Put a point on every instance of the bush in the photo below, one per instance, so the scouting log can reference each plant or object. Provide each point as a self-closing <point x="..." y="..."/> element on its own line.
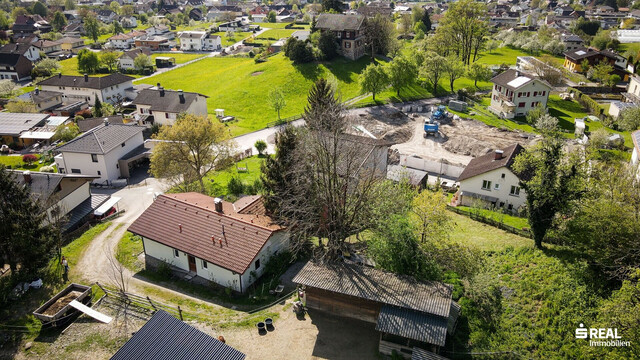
<point x="235" y="186"/>
<point x="164" y="270"/>
<point x="47" y="169"/>
<point x="29" y="159"/>
<point x="261" y="146"/>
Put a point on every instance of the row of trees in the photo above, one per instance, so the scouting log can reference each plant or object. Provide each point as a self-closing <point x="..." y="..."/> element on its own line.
<point x="90" y="62"/>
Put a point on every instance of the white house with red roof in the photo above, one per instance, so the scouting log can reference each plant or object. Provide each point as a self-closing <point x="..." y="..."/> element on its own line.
<point x="209" y="238"/>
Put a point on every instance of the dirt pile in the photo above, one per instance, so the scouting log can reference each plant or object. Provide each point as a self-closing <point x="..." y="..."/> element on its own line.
<point x="62" y="302"/>
<point x="388" y="124"/>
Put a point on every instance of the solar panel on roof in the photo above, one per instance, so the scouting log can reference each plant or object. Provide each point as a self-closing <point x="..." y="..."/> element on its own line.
<point x="580" y="52"/>
<point x="519" y="81"/>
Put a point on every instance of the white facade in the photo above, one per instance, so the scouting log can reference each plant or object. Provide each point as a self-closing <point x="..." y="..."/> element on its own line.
<point x="278" y="242"/>
<point x="192" y="40"/>
<point x="510" y="103"/>
<point x="33" y="53"/>
<point x="198" y="107"/>
<point x="105" y="166"/>
<point x="111" y="94"/>
<point x="69" y="202"/>
<point x="125" y="62"/>
<point x="501" y="184"/>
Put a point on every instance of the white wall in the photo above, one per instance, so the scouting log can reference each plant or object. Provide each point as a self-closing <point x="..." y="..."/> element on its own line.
<point x="72" y="200"/>
<point x="126" y="63"/>
<point x="634" y="86"/>
<point x="535" y="86"/>
<point x="89" y="95"/>
<point x="474" y="185"/>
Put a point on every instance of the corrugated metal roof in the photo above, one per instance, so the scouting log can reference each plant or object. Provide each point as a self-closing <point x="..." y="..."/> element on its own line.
<point x="377" y="285"/>
<point x="453" y="317"/>
<point x="419" y="354"/>
<point x="164" y="337"/>
<point x="412" y="324"/>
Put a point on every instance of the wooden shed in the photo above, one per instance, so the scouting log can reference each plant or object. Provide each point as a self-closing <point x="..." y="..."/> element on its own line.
<point x="408" y="314"/>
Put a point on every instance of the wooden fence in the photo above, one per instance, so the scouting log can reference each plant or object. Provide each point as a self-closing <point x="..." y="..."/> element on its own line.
<point x="492" y="222"/>
<point x="140" y="301"/>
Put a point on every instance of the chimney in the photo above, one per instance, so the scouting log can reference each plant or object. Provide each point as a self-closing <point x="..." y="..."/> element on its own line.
<point x="161" y="91"/>
<point x="158" y="86"/>
<point x="180" y="227"/>
<point x="106" y="121"/>
<point x="498" y="155"/>
<point x="213" y="239"/>
<point x="37" y="91"/>
<point x="86" y="78"/>
<point x="27" y="176"/>
<point x="181" y="96"/>
<point x="59" y="75"/>
<point x="218" y="204"/>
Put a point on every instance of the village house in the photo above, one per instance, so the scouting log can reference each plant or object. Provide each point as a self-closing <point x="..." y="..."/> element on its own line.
<point x="212" y="240"/>
<point x="106" y="16"/>
<point x="64" y="197"/>
<point x="124" y="41"/>
<point x="129" y="22"/>
<point x="27" y="50"/>
<point x="573" y="61"/>
<point x="71" y="44"/>
<point x="154" y="42"/>
<point x="51" y="48"/>
<point x="348" y="30"/>
<point x="104" y="152"/>
<point x="514" y="93"/>
<point x="126" y="60"/>
<point x="112" y="88"/>
<point x="235" y="25"/>
<point x="13" y="125"/>
<point x="199" y="41"/>
<point x="632" y="94"/>
<point x="161" y="30"/>
<point x="411" y="316"/>
<point x="88" y="124"/>
<point x="43" y="100"/>
<point x="166" y="105"/>
<point x="489" y="180"/>
<point x="28" y="24"/>
<point x="572" y="42"/>
<point x="15" y="67"/>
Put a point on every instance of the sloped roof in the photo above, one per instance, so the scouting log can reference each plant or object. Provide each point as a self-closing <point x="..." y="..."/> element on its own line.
<point x="102" y="139"/>
<point x="429" y="297"/>
<point x="420" y="354"/>
<point x="486" y="163"/>
<point x="339" y="22"/>
<point x="242" y="235"/>
<point x="40" y="96"/>
<point x="132" y="54"/>
<point x="15" y="123"/>
<point x="92" y="82"/>
<point x="90" y="123"/>
<point x="8" y="59"/>
<point x="169" y="102"/>
<point x="16" y="48"/>
<point x="514" y="79"/>
<point x="412" y="324"/>
<point x="164" y="337"/>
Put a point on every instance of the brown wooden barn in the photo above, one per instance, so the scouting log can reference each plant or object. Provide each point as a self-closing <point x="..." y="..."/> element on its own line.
<point x="408" y="314"/>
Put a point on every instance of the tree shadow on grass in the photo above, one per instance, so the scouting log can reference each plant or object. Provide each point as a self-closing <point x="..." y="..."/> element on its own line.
<point x="343" y="68"/>
<point x="310" y="71"/>
<point x="562" y="121"/>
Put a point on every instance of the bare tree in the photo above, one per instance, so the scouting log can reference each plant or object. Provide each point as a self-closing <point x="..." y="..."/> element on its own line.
<point x="118" y="274"/>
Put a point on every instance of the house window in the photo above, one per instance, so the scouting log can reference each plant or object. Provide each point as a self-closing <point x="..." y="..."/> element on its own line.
<point x="204" y="264"/>
<point x="347" y="44"/>
<point x="99" y="172"/>
<point x="503" y="175"/>
<point x="528" y="94"/>
<point x="257" y="264"/>
<point x="176" y="253"/>
<point x="94" y="158"/>
<point x="486" y="185"/>
<point x="535" y="93"/>
<point x="496" y="186"/>
<point x="515" y="190"/>
<point x="544" y="93"/>
<point x="76" y="171"/>
<point x="521" y="105"/>
<point x="122" y="144"/>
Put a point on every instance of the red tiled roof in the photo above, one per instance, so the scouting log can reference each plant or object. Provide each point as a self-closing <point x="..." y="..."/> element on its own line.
<point x="486" y="163"/>
<point x="243" y="238"/>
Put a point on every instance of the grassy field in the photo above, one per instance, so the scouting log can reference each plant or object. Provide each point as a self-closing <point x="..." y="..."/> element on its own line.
<point x="267" y="25"/>
<point x="216" y="182"/>
<point x="129" y="247"/>
<point x="237" y="36"/>
<point x="15" y="162"/>
<point x="507" y="219"/>
<point x="487" y="117"/>
<point x="276" y="34"/>
<point x="70" y="66"/>
<point x="484" y="237"/>
<point x="181" y="58"/>
<point x="240" y="86"/>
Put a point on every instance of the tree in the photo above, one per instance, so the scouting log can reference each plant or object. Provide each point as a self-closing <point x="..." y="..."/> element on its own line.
<point x="59" y="21"/>
<point x="492" y="45"/>
<point x="69" y="4"/>
<point x="88" y="61"/>
<point x="117" y="28"/>
<point x="463" y="28"/>
<point x="7" y="88"/>
<point x="417" y="13"/>
<point x="323" y="111"/>
<point x="46" y="67"/>
<point x="551" y="181"/>
<point x="332" y="6"/>
<point x="276" y="100"/>
<point x="110" y="59"/>
<point x="454" y="69"/>
<point x="261" y="146"/>
<point x="97" y="108"/>
<point x="91" y="27"/>
<point x="478" y="72"/>
<point x="620" y="311"/>
<point x="545" y="70"/>
<point x="142" y="61"/>
<point x="433" y="68"/>
<point x="586" y="26"/>
<point x="406" y="25"/>
<point x="271" y="16"/>
<point x="67" y="132"/>
<point x="327" y="45"/>
<point x="129" y="10"/>
<point x="298" y="51"/>
<point x="27" y="239"/>
<point x="39" y="9"/>
<point x="373" y="79"/>
<point x="402" y="73"/>
<point x="29" y="159"/>
<point x="276" y="171"/>
<point x="419" y="27"/>
<point x="378" y="34"/>
<point x="629" y="119"/>
<point x="21" y="106"/>
<point x="430" y="217"/>
<point x="602" y="71"/>
<point x="115" y="7"/>
<point x="190" y="149"/>
<point x="546" y="123"/>
<point x="4" y="21"/>
<point x="426" y="20"/>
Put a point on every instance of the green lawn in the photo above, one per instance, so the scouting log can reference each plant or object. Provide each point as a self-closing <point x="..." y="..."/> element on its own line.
<point x="15" y="162"/>
<point x="504" y="55"/>
<point x="240" y="86"/>
<point x="276" y="34"/>
<point x="217" y="181"/>
<point x="237" y="36"/>
<point x="181" y="58"/>
<point x="129" y="247"/>
<point x="487" y="117"/>
<point x="507" y="219"/>
<point x="70" y="67"/>
<point x="484" y="237"/>
<point x="266" y="25"/>
<point x="74" y="250"/>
